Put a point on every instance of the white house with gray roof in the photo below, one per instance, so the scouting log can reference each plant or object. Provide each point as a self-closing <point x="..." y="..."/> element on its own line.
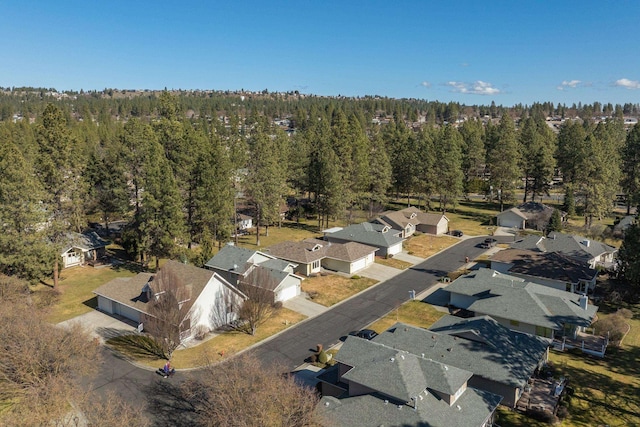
<point x="239" y="265"/>
<point x="521" y="305"/>
<point x="386" y="239"/>
<point x="80" y="248"/>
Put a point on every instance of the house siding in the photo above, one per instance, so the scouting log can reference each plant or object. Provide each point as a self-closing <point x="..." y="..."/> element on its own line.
<point x="290" y="288"/>
<point x="510" y="220"/>
<point x="509" y="393"/>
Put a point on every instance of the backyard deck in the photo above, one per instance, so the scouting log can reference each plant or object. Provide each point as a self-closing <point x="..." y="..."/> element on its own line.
<point x="542" y="394"/>
<point x="590" y="344"/>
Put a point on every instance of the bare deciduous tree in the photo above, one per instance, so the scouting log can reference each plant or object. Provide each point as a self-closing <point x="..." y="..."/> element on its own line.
<point x="259" y="306"/>
<point x="40" y="363"/>
<point x="168" y="314"/>
<point x="250" y="394"/>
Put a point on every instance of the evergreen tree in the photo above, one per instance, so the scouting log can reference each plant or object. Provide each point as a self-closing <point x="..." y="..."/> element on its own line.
<point x="503" y="161"/>
<point x="448" y="166"/>
<point x="631" y="168"/>
<point x="473" y="155"/>
<point x="629" y="258"/>
<point x="538" y="161"/>
<point x="555" y="222"/>
<point x="379" y="173"/>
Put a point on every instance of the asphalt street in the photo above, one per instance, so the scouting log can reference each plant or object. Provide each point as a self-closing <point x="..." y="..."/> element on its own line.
<point x="290" y="348"/>
<point x="141" y="387"/>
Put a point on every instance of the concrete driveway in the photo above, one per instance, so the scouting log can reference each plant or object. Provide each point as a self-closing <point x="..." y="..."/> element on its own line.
<point x="100" y="325"/>
<point x="379" y="272"/>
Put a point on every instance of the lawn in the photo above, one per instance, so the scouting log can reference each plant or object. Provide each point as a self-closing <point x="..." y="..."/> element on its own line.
<point x="393" y="263"/>
<point x="75" y="290"/>
<point x="607" y="391"/>
<point x="425" y="245"/>
<point x="331" y="289"/>
<point x="415" y="313"/>
<point x="290" y="230"/>
<point x="213" y="350"/>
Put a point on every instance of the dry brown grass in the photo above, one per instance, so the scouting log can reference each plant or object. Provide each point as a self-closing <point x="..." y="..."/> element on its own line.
<point x="415" y="313"/>
<point x="331" y="289"/>
<point x="393" y="263"/>
<point x="221" y="346"/>
<point x="426" y="245"/>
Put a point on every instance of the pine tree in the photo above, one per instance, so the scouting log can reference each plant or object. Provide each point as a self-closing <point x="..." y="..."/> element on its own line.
<point x="503" y="161"/>
<point x="631" y="168"/>
<point x="474" y="155"/>
<point x="448" y="166"/>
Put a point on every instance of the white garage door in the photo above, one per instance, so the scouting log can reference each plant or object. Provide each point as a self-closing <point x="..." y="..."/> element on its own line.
<point x="358" y="265"/>
<point x="288" y="293"/>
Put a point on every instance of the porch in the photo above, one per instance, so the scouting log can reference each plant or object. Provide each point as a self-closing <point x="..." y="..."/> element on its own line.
<point x="594" y="345"/>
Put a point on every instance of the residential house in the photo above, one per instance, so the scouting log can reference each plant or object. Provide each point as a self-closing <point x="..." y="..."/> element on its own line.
<point x="80" y="248"/>
<point x="521" y="305"/>
<point x="512" y="218"/>
<point x="546" y="268"/>
<point x="538" y="215"/>
<point x="312" y="254"/>
<point x="581" y="249"/>
<point x="243" y="222"/>
<point x="387" y="240"/>
<point x="393" y="387"/>
<point x="411" y="219"/>
<point x="240" y="266"/>
<point x="205" y="292"/>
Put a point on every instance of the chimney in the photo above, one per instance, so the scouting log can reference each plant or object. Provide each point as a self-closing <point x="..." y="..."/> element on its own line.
<point x="584" y="302"/>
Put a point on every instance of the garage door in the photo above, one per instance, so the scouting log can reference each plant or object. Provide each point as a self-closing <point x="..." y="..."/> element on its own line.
<point x="358" y="265"/>
<point x="288" y="293"/>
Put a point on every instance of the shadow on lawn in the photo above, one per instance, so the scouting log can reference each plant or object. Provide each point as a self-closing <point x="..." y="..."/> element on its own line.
<point x="134" y="345"/>
<point x="605" y="397"/>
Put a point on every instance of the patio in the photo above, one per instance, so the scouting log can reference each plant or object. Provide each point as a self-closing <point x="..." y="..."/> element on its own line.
<point x="542" y="394"/>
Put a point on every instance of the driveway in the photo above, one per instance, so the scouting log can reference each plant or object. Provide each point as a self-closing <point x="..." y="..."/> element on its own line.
<point x="101" y="325"/>
<point x="379" y="272"/>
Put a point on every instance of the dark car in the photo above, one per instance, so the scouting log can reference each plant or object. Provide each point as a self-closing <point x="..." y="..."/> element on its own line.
<point x="457" y="233"/>
<point x="489" y="243"/>
<point x="367" y="334"/>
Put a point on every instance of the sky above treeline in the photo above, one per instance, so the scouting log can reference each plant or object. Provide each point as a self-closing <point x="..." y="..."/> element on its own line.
<point x="466" y="51"/>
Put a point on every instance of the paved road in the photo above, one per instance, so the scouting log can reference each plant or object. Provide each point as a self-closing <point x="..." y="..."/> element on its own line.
<point x="142" y="387"/>
<point x="294" y="345"/>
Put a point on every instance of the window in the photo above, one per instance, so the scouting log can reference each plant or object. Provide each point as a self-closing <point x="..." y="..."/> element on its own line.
<point x="541" y="331"/>
<point x="514" y="323"/>
<point x="316" y="264"/>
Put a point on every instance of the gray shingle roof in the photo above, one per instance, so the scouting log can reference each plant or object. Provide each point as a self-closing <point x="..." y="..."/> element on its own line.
<point x="515" y="211"/>
<point x="573" y="246"/>
<point x="396" y="373"/>
<point x="479" y="345"/>
<point x="231" y="258"/>
<point x="85" y="241"/>
<point x="475" y="407"/>
<point x="368" y="234"/>
<point x="512" y="298"/>
<point x="549" y="265"/>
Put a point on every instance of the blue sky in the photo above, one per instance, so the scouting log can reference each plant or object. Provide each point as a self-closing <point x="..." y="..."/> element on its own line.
<point x="471" y="52"/>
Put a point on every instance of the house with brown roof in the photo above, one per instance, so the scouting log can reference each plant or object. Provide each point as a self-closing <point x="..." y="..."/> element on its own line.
<point x="80" y="248"/>
<point x="412" y="219"/>
<point x="312" y="254"/>
<point x="205" y="293"/>
<point x="551" y="269"/>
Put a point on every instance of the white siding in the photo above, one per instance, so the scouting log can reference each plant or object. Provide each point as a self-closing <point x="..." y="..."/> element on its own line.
<point x="211" y="307"/>
<point x="511" y="220"/>
<point x="289" y="288"/>
<point x="442" y="227"/>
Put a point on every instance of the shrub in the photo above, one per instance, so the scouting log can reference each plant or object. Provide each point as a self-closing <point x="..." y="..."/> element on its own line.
<point x="277" y="305"/>
<point x="562" y="412"/>
<point x="615" y="325"/>
<point x="355" y="277"/>
<point x="542" y="415"/>
<point x="625" y="312"/>
<point x="323" y="357"/>
<point x="200" y="332"/>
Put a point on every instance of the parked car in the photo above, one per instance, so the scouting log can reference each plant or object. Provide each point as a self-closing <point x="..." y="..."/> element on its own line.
<point x="489" y="243"/>
<point x="367" y="334"/>
<point x="457" y="233"/>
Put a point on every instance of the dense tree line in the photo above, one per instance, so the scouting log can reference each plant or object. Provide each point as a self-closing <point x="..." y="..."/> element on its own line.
<point x="171" y="164"/>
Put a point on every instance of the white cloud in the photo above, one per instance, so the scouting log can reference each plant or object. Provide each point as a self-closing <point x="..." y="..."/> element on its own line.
<point x="425" y="84"/>
<point x="569" y="84"/>
<point x="629" y="84"/>
<point x="477" y="88"/>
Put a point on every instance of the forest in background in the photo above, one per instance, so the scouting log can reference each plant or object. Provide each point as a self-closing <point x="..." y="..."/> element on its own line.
<point x="171" y="163"/>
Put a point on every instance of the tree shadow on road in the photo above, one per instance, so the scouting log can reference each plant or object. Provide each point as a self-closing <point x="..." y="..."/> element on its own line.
<point x="169" y="406"/>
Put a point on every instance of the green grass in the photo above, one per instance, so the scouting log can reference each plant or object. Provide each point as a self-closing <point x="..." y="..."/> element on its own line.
<point x="75" y="290"/>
